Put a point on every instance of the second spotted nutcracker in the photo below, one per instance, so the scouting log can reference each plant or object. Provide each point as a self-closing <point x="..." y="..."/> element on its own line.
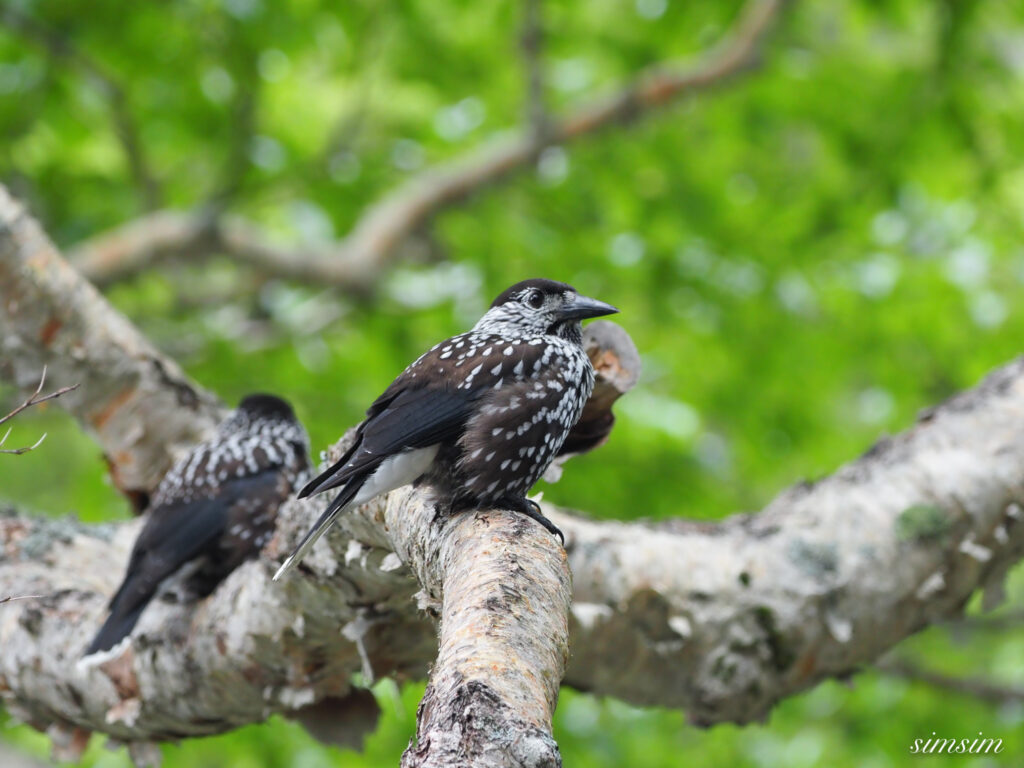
<point x="479" y="416"/>
<point x="213" y="510"/>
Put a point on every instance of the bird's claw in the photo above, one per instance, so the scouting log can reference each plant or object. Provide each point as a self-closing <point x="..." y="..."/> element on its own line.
<point x="531" y="509"/>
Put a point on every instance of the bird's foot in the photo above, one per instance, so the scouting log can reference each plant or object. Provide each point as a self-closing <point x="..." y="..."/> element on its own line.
<point x="441" y="510"/>
<point x="452" y="507"/>
<point x="531" y="509"/>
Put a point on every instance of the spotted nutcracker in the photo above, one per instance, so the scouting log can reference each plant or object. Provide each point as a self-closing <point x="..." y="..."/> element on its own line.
<point x="215" y="508"/>
<point x="478" y="417"/>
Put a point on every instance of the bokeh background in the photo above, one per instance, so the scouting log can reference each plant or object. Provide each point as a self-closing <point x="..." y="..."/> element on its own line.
<point x="806" y="256"/>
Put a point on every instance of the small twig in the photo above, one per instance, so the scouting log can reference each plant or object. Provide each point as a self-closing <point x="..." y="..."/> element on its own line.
<point x="35" y="399"/>
<point x="24" y="449"/>
<point x="244" y="110"/>
<point x="350" y="123"/>
<point x="12" y="598"/>
<point x="1009" y="620"/>
<point x="980" y="688"/>
<point x="532" y="43"/>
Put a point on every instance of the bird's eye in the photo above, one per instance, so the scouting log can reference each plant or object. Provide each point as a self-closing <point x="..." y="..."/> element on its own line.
<point x="535" y="299"/>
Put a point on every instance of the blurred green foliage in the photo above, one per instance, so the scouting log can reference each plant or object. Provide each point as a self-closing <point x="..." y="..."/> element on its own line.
<point x="806" y="257"/>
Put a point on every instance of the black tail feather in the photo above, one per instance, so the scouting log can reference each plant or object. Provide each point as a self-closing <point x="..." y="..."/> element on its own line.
<point x="338" y="503"/>
<point x="329" y="478"/>
<point x="117" y="627"/>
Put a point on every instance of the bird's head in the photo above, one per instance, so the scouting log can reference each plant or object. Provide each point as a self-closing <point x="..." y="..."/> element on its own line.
<point x="259" y="405"/>
<point x="541" y="307"/>
<point x="258" y="411"/>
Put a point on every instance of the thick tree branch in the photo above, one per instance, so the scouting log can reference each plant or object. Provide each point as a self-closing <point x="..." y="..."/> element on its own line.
<point x="721" y="619"/>
<point x="139" y="405"/>
<point x="501" y="586"/>
<point x="355" y="262"/>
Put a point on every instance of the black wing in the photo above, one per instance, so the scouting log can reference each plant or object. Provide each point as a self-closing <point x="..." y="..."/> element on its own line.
<point x="427" y="404"/>
<point x="410" y="414"/>
<point x="182" y="531"/>
<point x="401" y="418"/>
<point x="172" y="536"/>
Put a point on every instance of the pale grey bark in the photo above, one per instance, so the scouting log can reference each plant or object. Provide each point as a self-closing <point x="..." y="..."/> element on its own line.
<point x="720" y="619"/>
<point x="500" y="585"/>
<point x="137" y="402"/>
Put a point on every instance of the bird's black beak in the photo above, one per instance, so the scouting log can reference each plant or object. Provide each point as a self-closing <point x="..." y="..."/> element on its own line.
<point x="582" y="307"/>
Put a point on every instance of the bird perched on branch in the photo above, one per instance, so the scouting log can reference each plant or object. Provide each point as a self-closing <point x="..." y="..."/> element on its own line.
<point x="214" y="509"/>
<point x="480" y="416"/>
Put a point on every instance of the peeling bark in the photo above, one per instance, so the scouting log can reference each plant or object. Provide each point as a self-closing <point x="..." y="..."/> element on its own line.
<point x="191" y="670"/>
<point x="721" y="619"/>
<point x="503" y="586"/>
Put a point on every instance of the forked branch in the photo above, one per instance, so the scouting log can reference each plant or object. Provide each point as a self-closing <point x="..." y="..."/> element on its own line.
<point x="356" y="262"/>
<point x="36" y="398"/>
